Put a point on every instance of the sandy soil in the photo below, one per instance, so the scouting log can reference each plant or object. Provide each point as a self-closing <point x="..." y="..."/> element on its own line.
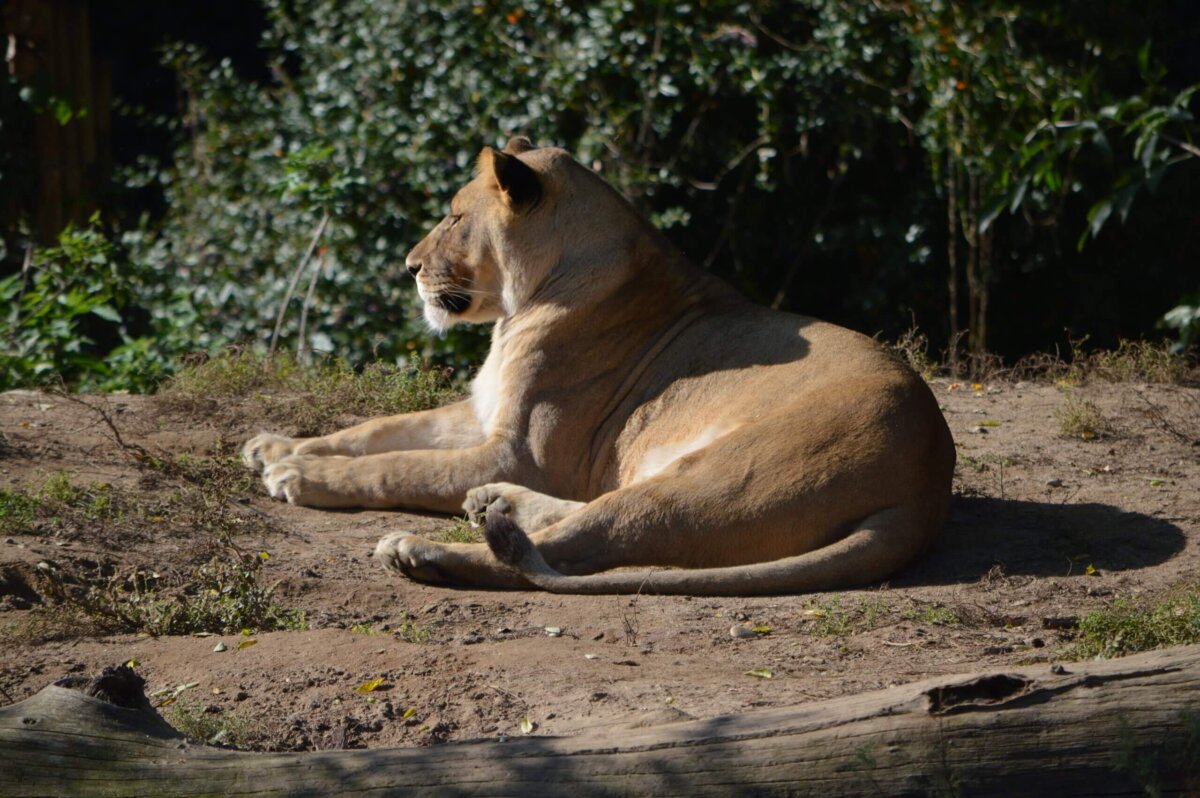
<point x="1042" y="528"/>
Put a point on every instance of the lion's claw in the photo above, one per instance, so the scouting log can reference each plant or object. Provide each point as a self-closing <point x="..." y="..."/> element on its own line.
<point x="266" y="448"/>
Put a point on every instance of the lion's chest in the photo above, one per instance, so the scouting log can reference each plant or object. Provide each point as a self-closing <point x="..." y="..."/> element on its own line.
<point x="486" y="391"/>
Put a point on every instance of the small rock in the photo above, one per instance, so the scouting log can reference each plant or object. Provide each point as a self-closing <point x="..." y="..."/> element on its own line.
<point x="1035" y="642"/>
<point x="978" y="430"/>
<point x="739" y="632"/>
<point x="241" y="695"/>
<point x="1058" y="670"/>
<point x="598" y="636"/>
<point x="1060" y="622"/>
<point x="554" y="631"/>
<point x="504" y="630"/>
<point x="1054" y="483"/>
<point x="220" y="647"/>
<point x="591" y="656"/>
<point x="10" y="541"/>
<point x="630" y="662"/>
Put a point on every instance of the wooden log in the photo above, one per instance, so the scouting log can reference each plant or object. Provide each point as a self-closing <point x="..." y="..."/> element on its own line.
<point x="1120" y="727"/>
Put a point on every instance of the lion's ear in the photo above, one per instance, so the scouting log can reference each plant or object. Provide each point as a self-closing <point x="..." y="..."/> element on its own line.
<point x="517" y="182"/>
<point x="518" y="144"/>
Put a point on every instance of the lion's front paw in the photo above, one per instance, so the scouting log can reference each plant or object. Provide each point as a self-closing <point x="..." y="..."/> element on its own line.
<point x="283" y="480"/>
<point x="266" y="448"/>
<point x="410" y="555"/>
<point x="308" y="480"/>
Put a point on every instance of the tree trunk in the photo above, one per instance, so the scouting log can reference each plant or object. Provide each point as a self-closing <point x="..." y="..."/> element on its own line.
<point x="1119" y="727"/>
<point x="952" y="257"/>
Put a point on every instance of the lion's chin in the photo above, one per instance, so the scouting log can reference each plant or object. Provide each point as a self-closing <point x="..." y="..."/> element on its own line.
<point x="439" y="320"/>
<point x="444" y="309"/>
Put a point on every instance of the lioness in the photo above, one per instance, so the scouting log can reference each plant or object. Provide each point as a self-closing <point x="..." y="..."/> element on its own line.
<point x="633" y="411"/>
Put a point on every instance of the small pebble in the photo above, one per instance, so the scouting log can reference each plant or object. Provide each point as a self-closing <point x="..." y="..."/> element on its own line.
<point x="220" y="647"/>
<point x="737" y="631"/>
<point x="978" y="430"/>
<point x="1055" y="483"/>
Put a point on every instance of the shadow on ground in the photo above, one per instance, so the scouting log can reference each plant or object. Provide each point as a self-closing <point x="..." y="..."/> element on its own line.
<point x="1041" y="539"/>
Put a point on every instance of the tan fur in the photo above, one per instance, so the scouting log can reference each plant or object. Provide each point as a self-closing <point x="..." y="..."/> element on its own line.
<point x="634" y="411"/>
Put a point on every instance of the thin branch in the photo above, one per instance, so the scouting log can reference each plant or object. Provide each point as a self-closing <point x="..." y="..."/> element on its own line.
<point x="137" y="452"/>
<point x="1186" y="146"/>
<point x="794" y="268"/>
<point x="312" y="246"/>
<point x="729" y="167"/>
<point x="302" y="346"/>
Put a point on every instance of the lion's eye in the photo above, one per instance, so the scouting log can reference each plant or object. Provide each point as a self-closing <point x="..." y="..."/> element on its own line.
<point x="454" y="218"/>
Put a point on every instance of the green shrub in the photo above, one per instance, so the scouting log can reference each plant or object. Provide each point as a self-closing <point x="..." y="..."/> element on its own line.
<point x="1133" y="625"/>
<point x="68" y="319"/>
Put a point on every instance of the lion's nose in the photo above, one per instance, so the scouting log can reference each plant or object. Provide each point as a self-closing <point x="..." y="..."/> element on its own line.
<point x="413" y="266"/>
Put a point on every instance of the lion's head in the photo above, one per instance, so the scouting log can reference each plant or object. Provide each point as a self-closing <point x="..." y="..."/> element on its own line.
<point x="458" y="265"/>
<point x="524" y="216"/>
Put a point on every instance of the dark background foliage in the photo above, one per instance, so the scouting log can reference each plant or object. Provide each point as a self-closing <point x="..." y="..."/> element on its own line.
<point x="850" y="160"/>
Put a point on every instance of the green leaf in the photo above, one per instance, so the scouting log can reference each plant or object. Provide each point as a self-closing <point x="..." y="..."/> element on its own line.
<point x="1098" y="215"/>
<point x="1124" y="200"/>
<point x="108" y="313"/>
<point x="1149" y="151"/>
<point x="761" y="673"/>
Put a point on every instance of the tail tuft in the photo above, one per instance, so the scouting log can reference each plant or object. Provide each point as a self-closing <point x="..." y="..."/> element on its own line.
<point x="507" y="541"/>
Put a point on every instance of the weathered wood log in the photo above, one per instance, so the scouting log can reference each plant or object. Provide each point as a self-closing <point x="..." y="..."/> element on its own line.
<point x="1120" y="727"/>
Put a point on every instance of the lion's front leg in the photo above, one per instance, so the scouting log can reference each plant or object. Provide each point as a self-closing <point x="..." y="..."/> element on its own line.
<point x="445" y="563"/>
<point x="454" y="426"/>
<point x="426" y="479"/>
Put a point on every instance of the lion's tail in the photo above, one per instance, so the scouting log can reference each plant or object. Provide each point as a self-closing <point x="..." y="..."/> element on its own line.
<point x="867" y="554"/>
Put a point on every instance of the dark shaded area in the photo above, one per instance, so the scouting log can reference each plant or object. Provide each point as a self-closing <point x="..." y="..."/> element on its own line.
<point x="1041" y="539"/>
<point x="132" y="35"/>
<point x="982" y="693"/>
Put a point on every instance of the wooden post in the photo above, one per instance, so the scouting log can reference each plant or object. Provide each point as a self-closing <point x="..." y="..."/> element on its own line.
<point x="53" y="49"/>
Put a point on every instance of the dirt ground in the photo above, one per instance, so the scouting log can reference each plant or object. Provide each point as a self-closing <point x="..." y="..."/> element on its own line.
<point x="1043" y="528"/>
